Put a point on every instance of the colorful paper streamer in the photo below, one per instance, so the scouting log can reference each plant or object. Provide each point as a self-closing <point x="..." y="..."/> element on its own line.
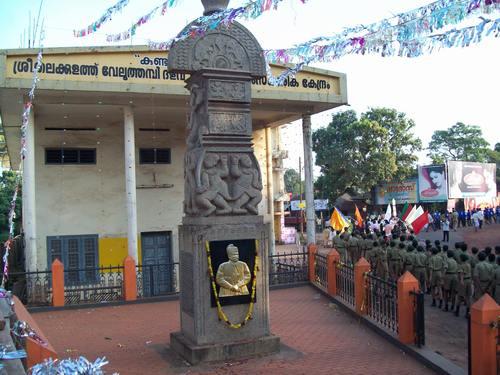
<point x="94" y="26"/>
<point x="141" y="21"/>
<point x="79" y="366"/>
<point x="24" y="128"/>
<point x="22" y="329"/>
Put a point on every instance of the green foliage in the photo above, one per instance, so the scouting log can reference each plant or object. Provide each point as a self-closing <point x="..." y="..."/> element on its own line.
<point x="292" y="182"/>
<point x="7" y="187"/>
<point x="356" y="154"/>
<point x="460" y="142"/>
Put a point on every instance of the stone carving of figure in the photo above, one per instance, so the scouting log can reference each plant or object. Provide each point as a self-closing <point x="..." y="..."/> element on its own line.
<point x="246" y="189"/>
<point x="233" y="276"/>
<point x="212" y="192"/>
<point x="189" y="185"/>
<point x="195" y="124"/>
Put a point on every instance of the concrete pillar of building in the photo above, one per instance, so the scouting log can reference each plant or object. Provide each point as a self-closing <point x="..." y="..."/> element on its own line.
<point x="270" y="190"/>
<point x="308" y="174"/>
<point x="28" y="196"/>
<point x="130" y="184"/>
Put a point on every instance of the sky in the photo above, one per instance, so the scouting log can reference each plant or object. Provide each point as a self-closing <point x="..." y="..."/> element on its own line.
<point x="436" y="90"/>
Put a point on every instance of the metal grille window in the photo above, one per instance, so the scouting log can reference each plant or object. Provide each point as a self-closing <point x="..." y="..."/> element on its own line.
<point x="154" y="156"/>
<point x="79" y="255"/>
<point x="70" y="156"/>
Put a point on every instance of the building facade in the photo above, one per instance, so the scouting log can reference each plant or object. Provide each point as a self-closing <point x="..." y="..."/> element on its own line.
<point x="103" y="173"/>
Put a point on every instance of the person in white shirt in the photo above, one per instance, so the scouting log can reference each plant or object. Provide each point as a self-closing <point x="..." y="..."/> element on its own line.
<point x="445" y="225"/>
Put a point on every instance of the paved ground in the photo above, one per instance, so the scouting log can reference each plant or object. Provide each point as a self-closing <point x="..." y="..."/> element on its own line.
<point x="318" y="339"/>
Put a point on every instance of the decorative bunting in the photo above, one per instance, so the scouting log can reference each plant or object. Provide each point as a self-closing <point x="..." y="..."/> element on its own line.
<point x="80" y="366"/>
<point x="251" y="10"/>
<point x="93" y="27"/>
<point x="141" y="21"/>
<point x="13" y="202"/>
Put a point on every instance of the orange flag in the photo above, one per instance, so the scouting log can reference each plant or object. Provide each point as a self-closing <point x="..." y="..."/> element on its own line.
<point x="357" y="216"/>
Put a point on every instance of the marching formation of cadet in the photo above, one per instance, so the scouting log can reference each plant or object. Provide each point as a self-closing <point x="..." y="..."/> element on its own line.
<point x="454" y="277"/>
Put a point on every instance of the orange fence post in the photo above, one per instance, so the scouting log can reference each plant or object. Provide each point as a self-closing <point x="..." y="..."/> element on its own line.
<point x="312" y="248"/>
<point x="36" y="351"/>
<point x="360" y="268"/>
<point x="407" y="283"/>
<point x="129" y="279"/>
<point x="57" y="283"/>
<point x="483" y="331"/>
<point x="332" y="260"/>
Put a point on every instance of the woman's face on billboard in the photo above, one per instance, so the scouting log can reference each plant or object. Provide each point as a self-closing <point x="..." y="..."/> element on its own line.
<point x="437" y="178"/>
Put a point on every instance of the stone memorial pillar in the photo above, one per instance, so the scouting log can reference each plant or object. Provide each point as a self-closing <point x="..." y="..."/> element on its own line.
<point x="224" y="286"/>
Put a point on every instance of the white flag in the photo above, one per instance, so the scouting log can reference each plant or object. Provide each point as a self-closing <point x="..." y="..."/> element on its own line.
<point x="388" y="213"/>
<point x="411" y="218"/>
<point x="412" y="212"/>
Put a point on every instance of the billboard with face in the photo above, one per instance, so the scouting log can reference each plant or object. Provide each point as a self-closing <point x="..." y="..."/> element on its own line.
<point x="468" y="179"/>
<point x="432" y="184"/>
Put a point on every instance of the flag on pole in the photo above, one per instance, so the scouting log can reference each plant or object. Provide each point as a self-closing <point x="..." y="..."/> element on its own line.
<point x="357" y="216"/>
<point x="403" y="211"/>
<point x="412" y="217"/>
<point x="420" y="222"/>
<point x="337" y="220"/>
<point x="410" y="211"/>
<point x="388" y="213"/>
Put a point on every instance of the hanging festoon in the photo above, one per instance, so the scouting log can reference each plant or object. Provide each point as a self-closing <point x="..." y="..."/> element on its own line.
<point x="223" y="292"/>
<point x="13" y="203"/>
<point x="94" y="26"/>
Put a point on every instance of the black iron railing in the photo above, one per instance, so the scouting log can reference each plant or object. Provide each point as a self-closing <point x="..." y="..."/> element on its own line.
<point x="32" y="288"/>
<point x="157" y="279"/>
<point x="345" y="282"/>
<point x="419" y="318"/>
<point x="288" y="268"/>
<point x="321" y="271"/>
<point x="93" y="285"/>
<point x="382" y="301"/>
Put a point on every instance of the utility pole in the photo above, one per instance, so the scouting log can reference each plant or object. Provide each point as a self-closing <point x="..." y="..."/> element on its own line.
<point x="301" y="216"/>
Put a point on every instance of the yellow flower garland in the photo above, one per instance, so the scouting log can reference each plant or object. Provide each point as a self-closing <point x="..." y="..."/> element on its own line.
<point x="220" y="312"/>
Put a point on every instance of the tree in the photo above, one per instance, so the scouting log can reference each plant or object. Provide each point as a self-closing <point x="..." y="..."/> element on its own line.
<point x="460" y="142"/>
<point x="7" y="187"/>
<point x="356" y="154"/>
<point x="292" y="182"/>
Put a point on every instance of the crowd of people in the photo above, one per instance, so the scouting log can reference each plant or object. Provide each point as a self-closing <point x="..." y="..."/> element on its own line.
<point x="454" y="276"/>
<point x="475" y="218"/>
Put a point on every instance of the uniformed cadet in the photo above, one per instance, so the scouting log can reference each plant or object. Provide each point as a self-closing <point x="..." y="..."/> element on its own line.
<point x="436" y="270"/>
<point x="381" y="267"/>
<point x="368" y="246"/>
<point x="419" y="267"/>
<point x="340" y="246"/>
<point x="473" y="259"/>
<point x="353" y="248"/>
<point x="450" y="281"/>
<point x="409" y="259"/>
<point x="464" y="284"/>
<point x="394" y="258"/>
<point x="482" y="276"/>
<point x="372" y="255"/>
<point x="497" y="281"/>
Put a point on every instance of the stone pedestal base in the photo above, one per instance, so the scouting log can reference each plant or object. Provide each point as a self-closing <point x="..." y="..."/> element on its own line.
<point x="196" y="354"/>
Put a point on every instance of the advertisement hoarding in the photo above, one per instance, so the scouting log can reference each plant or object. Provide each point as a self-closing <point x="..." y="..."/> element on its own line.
<point x="402" y="192"/>
<point x="468" y="179"/>
<point x="432" y="183"/>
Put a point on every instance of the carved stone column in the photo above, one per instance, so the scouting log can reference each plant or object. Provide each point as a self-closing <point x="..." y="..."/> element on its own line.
<point x="223" y="315"/>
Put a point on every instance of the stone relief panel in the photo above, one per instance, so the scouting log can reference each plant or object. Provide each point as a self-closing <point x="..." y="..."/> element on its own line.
<point x="222" y="184"/>
<point x="229" y="123"/>
<point x="182" y="58"/>
<point x="220" y="51"/>
<point x="228" y="90"/>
